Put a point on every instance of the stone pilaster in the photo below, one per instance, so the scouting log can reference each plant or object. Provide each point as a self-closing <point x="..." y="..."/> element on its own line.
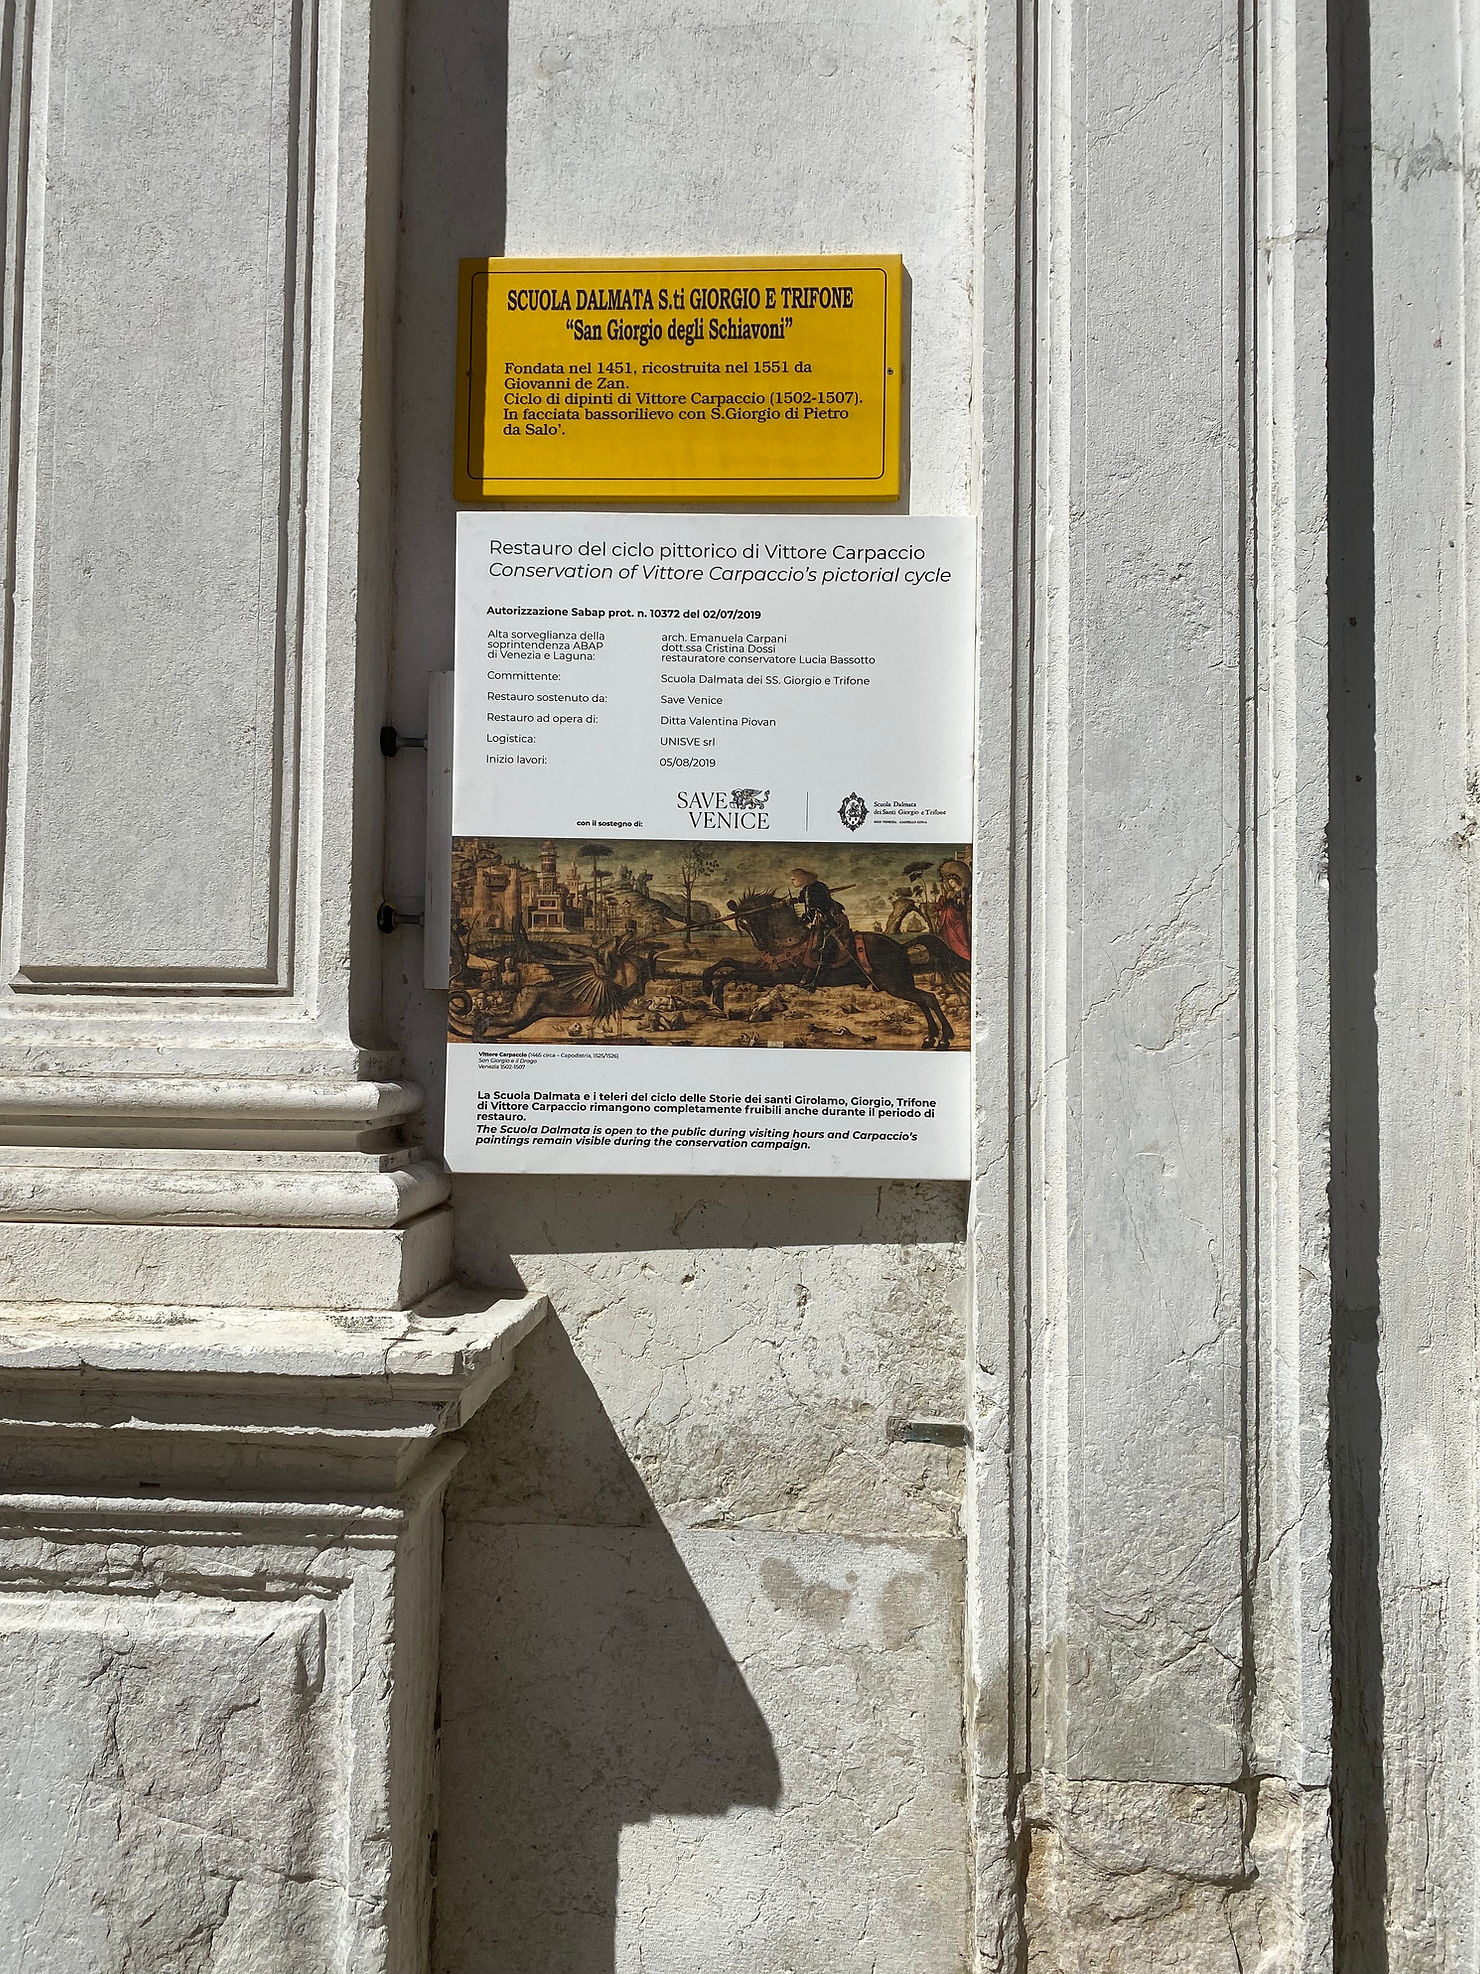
<point x="229" y="1357"/>
<point x="1151" y="1635"/>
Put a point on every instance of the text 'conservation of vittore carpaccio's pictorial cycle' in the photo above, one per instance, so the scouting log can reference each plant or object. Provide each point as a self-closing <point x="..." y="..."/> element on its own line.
<point x="711" y="827"/>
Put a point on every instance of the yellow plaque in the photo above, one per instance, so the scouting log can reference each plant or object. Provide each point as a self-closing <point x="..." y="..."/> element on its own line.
<point x="679" y="379"/>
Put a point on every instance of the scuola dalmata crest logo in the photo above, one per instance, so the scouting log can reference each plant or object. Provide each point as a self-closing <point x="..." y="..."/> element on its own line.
<point x="853" y="812"/>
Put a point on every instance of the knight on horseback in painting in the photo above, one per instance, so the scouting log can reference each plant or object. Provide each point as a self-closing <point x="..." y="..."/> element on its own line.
<point x="831" y="941"/>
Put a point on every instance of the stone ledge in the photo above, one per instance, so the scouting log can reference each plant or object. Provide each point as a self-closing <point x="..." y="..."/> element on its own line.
<point x="244" y="1402"/>
<point x="34" y="1525"/>
<point x="127" y="1110"/>
<point x="448" y="1340"/>
<point x="219" y="1188"/>
<point x="225" y="1267"/>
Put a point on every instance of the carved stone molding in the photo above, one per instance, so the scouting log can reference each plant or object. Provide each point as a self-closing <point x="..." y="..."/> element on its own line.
<point x="220" y="1579"/>
<point x="196" y="507"/>
<point x="220" y="1188"/>
<point x="135" y="1108"/>
<point x="1153" y="1292"/>
<point x="195" y="654"/>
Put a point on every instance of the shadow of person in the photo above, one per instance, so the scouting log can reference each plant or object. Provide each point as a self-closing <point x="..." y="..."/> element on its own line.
<point x="585" y="1687"/>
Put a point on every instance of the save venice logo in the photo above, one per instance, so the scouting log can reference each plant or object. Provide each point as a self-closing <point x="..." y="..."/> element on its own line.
<point x="853" y="812"/>
<point x="718" y="809"/>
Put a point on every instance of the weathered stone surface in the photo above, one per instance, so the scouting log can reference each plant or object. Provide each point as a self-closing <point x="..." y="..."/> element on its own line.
<point x="267" y="1267"/>
<point x="749" y="1379"/>
<point x="765" y="1679"/>
<point x="220" y="1581"/>
<point x="1148" y="1878"/>
<point x="705" y="1675"/>
<point x="181" y="1188"/>
<point x="204" y="1768"/>
<point x="1409" y="1824"/>
<point x="447" y="1344"/>
<point x="741" y="1751"/>
<point x="170" y="1773"/>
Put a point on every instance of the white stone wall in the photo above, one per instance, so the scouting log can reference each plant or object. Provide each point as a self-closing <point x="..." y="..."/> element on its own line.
<point x="1173" y="1666"/>
<point x="1113" y="220"/>
<point x="716" y="1612"/>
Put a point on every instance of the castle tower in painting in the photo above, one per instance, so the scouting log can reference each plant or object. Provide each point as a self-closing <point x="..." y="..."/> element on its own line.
<point x="489" y="891"/>
<point x="553" y="907"/>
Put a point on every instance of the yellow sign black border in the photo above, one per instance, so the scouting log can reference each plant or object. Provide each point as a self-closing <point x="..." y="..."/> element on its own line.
<point x="472" y="329"/>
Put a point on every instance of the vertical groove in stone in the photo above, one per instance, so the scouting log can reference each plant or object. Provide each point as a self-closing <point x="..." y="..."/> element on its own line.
<point x="1359" y="1820"/>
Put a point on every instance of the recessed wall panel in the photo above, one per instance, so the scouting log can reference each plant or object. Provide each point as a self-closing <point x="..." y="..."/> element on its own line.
<point x="154" y="613"/>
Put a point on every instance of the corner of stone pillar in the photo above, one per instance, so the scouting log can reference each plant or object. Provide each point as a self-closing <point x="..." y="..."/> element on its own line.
<point x="220" y="1583"/>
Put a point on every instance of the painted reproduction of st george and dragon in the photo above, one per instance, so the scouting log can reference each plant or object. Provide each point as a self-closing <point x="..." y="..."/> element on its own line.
<point x="711" y="945"/>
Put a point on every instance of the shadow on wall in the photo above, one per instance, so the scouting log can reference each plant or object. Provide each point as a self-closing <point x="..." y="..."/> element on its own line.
<point x="585" y="1686"/>
<point x="615" y="1214"/>
<point x="1359" y="1814"/>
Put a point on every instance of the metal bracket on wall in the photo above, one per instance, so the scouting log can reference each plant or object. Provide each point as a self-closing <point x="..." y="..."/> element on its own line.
<point x="391" y="742"/>
<point x="388" y="918"/>
<point x="927" y="1432"/>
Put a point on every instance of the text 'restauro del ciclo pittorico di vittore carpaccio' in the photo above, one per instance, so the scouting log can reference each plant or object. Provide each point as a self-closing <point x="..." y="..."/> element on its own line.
<point x="711" y="870"/>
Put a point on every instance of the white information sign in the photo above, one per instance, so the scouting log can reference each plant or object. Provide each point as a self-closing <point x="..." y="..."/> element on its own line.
<point x="711" y="864"/>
